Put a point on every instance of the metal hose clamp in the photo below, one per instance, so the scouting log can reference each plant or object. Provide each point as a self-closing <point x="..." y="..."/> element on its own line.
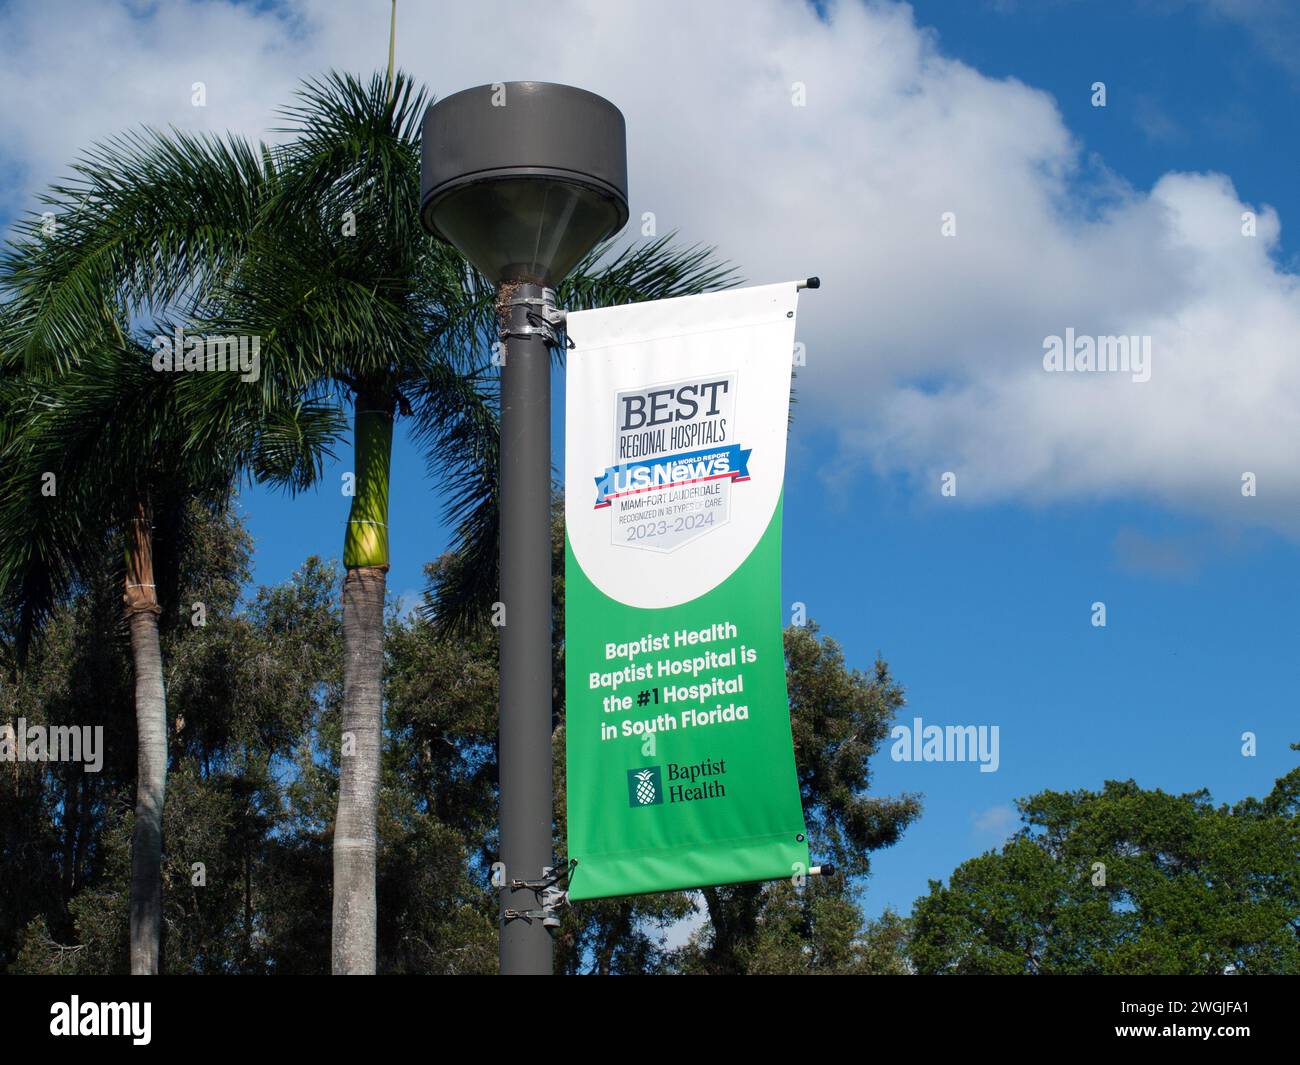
<point x="545" y="320"/>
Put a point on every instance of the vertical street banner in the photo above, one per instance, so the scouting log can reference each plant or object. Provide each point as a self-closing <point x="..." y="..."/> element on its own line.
<point x="680" y="762"/>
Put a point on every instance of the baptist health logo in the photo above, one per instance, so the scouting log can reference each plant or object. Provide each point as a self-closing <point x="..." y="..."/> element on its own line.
<point x="645" y="786"/>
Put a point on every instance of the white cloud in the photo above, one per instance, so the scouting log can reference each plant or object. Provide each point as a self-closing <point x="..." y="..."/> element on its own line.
<point x="924" y="352"/>
<point x="997" y="821"/>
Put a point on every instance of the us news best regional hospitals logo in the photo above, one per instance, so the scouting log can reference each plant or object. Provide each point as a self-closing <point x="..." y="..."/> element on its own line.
<point x="676" y="461"/>
<point x="645" y="786"/>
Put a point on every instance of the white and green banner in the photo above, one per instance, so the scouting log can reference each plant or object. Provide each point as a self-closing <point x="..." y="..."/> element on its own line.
<point x="680" y="764"/>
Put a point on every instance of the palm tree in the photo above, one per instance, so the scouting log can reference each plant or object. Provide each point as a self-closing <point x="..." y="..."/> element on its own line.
<point x="79" y="400"/>
<point x="315" y="247"/>
<point x="93" y="456"/>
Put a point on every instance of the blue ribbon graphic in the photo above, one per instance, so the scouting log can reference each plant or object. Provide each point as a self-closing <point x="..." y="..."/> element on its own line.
<point x="669" y="470"/>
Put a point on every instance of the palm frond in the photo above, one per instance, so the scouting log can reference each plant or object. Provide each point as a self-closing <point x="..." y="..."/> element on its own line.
<point x="146" y="221"/>
<point x="457" y="425"/>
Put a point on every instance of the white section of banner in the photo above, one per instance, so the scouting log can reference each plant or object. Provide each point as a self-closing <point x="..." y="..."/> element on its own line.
<point x="676" y="414"/>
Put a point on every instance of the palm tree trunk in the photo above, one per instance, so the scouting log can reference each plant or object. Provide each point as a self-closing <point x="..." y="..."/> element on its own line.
<point x="365" y="555"/>
<point x="151" y="742"/>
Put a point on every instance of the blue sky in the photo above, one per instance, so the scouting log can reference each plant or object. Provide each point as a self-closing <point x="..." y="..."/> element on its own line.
<point x="1186" y="89"/>
<point x="984" y="615"/>
<point x="981" y="604"/>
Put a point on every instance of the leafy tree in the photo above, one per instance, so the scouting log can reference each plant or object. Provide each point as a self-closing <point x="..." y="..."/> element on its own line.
<point x="1126" y="880"/>
<point x="247" y="690"/>
<point x="817" y="931"/>
<point x="253" y="744"/>
<point x="52" y="815"/>
<point x="98" y="459"/>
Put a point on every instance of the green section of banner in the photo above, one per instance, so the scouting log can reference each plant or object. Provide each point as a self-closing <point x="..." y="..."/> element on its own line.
<point x="670" y="787"/>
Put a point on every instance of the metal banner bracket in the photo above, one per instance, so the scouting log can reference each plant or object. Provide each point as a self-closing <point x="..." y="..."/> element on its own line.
<point x="544" y="319"/>
<point x="550" y="896"/>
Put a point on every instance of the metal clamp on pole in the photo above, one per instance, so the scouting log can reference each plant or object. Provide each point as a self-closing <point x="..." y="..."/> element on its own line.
<point x="545" y="320"/>
<point x="549" y="894"/>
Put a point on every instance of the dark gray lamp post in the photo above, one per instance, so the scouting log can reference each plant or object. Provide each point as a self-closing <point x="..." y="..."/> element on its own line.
<point x="524" y="178"/>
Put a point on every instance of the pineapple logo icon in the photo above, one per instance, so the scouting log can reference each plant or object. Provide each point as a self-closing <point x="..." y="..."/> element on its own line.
<point x="644" y="787"/>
